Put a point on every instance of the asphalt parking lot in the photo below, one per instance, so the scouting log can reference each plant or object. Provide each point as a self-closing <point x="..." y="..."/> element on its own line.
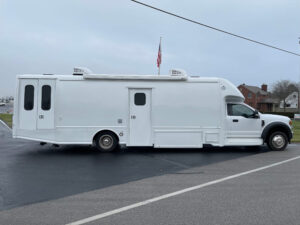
<point x="50" y="185"/>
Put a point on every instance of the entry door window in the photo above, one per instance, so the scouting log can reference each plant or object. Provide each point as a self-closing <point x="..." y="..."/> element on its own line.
<point x="139" y="99"/>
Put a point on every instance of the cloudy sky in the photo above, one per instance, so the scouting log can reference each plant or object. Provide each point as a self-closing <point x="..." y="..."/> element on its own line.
<point x="119" y="36"/>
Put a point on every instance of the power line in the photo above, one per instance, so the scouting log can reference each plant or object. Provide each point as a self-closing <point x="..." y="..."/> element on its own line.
<point x="217" y="29"/>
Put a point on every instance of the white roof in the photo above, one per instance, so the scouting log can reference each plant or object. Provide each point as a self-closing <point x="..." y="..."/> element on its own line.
<point x="82" y="73"/>
<point x="174" y="74"/>
<point x="121" y="77"/>
<point x="133" y="77"/>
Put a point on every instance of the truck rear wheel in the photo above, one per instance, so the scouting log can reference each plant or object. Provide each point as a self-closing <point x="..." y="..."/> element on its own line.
<point x="106" y="142"/>
<point x="277" y="141"/>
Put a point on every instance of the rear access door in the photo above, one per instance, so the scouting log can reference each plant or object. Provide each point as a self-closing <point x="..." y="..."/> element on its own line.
<point x="27" y="99"/>
<point x="46" y="104"/>
<point x="36" y="104"/>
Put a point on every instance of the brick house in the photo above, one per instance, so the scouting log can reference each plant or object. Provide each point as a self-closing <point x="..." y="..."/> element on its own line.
<point x="258" y="98"/>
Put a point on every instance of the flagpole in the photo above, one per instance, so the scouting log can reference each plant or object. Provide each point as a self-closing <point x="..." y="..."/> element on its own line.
<point x="160" y="51"/>
<point x="159" y="70"/>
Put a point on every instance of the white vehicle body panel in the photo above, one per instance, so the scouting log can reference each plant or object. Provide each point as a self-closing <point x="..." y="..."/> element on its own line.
<point x="178" y="111"/>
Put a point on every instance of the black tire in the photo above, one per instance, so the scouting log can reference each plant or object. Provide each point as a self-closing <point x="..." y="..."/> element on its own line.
<point x="277" y="141"/>
<point x="106" y="142"/>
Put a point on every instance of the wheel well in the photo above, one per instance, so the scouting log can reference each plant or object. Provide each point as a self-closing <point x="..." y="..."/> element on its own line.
<point x="275" y="129"/>
<point x="105" y="131"/>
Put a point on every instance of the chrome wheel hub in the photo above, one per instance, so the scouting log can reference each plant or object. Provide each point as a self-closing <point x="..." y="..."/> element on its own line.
<point x="278" y="141"/>
<point x="106" y="141"/>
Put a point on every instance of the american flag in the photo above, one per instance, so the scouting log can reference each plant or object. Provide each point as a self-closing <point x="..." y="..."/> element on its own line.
<point x="159" y="55"/>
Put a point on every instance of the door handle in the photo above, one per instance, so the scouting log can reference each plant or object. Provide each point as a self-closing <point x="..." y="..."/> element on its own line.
<point x="41" y="117"/>
<point x="133" y="117"/>
<point x="235" y="120"/>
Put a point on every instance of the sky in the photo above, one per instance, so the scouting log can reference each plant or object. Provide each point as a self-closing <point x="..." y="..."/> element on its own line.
<point x="122" y="37"/>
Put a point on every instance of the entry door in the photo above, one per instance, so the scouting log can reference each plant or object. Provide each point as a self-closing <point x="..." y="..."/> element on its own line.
<point x="140" y="117"/>
<point x="45" y="113"/>
<point x="28" y="91"/>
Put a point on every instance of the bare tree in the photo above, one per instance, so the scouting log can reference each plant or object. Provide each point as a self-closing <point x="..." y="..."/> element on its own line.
<point x="282" y="89"/>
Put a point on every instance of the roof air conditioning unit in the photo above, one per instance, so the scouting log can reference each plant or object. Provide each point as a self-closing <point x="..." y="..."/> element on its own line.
<point x="79" y="71"/>
<point x="177" y="72"/>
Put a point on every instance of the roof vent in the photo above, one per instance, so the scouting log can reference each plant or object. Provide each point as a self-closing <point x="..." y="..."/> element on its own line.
<point x="177" y="72"/>
<point x="79" y="71"/>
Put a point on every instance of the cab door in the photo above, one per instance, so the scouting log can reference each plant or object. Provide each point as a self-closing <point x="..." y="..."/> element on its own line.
<point x="241" y="123"/>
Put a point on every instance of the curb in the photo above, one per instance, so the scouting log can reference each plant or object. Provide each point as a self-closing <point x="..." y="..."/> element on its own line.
<point x="1" y="121"/>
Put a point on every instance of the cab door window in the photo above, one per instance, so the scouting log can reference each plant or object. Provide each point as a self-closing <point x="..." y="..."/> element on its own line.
<point x="239" y="110"/>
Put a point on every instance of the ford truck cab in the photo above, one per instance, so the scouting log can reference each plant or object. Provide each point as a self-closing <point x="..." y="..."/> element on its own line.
<point x="249" y="124"/>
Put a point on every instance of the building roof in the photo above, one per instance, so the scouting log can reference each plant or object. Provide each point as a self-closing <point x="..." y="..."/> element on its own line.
<point x="255" y="89"/>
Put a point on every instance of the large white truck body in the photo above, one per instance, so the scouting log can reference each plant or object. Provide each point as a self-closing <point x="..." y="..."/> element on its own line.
<point x="168" y="111"/>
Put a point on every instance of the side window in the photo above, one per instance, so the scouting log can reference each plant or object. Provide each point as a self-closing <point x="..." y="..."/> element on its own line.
<point x="139" y="99"/>
<point x="239" y="110"/>
<point x="46" y="97"/>
<point x="29" y="97"/>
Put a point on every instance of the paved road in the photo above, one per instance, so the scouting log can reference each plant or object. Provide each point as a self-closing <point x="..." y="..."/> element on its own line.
<point x="32" y="173"/>
<point x="48" y="185"/>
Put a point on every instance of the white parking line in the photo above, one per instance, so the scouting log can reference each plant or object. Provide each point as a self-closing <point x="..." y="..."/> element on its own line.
<point x="156" y="199"/>
<point x="5" y="125"/>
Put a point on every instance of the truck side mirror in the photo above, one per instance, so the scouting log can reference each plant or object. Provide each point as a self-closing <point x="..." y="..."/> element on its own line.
<point x="256" y="114"/>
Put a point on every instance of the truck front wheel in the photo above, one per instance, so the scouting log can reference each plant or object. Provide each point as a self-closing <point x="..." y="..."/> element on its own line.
<point x="106" y="142"/>
<point x="277" y="141"/>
